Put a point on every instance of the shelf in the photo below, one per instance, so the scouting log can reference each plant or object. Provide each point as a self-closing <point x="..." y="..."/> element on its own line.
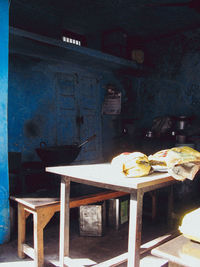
<point x="34" y="45"/>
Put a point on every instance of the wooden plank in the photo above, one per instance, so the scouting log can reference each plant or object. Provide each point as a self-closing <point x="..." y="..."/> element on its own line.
<point x="35" y="203"/>
<point x="172" y="264"/>
<point x="29" y="251"/>
<point x="85" y="200"/>
<point x="44" y="215"/>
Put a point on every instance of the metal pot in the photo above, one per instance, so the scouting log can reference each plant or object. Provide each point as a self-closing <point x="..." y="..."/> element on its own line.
<point x="60" y="155"/>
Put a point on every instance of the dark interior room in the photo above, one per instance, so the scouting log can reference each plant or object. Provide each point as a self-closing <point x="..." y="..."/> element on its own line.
<point x="92" y="90"/>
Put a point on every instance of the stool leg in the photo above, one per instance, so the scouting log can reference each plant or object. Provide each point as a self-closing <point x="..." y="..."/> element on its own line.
<point x="38" y="241"/>
<point x="21" y="230"/>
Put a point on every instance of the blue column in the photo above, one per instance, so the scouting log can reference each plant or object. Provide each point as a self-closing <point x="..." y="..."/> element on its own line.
<point x="4" y="179"/>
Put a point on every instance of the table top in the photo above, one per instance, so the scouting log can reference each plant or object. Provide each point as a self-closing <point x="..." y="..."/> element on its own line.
<point x="104" y="175"/>
<point x="180" y="250"/>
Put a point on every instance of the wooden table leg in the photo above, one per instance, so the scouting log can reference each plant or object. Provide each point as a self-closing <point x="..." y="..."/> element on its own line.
<point x="135" y="228"/>
<point x="170" y="206"/>
<point x="21" y="230"/>
<point x="64" y="219"/>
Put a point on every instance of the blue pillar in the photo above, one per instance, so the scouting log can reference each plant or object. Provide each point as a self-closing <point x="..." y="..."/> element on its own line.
<point x="4" y="179"/>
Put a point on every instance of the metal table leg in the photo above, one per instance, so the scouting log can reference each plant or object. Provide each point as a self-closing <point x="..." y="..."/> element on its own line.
<point x="135" y="228"/>
<point x="64" y="219"/>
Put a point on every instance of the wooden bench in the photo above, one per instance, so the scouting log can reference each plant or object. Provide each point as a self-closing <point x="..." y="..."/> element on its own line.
<point x="43" y="210"/>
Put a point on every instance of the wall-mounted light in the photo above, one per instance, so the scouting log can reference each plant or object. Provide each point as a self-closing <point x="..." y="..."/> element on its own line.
<point x="73" y="38"/>
<point x="71" y="41"/>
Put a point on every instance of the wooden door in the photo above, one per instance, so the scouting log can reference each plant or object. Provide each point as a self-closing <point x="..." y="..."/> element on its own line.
<point x="66" y="127"/>
<point x="78" y="114"/>
<point x="90" y="113"/>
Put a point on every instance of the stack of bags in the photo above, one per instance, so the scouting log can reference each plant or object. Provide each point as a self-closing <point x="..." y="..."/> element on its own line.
<point x="179" y="162"/>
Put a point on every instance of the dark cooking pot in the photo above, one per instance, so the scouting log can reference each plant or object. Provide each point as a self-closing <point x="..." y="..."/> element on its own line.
<point x="60" y="155"/>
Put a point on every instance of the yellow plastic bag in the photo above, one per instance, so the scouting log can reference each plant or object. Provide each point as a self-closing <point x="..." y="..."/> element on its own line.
<point x="135" y="164"/>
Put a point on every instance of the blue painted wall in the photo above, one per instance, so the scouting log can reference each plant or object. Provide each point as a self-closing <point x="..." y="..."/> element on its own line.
<point x="172" y="87"/>
<point x="32" y="108"/>
<point x="4" y="183"/>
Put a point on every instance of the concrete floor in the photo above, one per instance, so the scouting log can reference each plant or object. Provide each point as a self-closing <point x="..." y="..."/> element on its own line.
<point x="84" y="251"/>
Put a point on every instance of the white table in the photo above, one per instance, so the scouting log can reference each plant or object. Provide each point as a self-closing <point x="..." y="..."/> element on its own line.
<point x="103" y="175"/>
<point x="180" y="251"/>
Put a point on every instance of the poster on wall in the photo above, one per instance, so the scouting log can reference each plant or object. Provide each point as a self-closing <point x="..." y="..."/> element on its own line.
<point x="112" y="103"/>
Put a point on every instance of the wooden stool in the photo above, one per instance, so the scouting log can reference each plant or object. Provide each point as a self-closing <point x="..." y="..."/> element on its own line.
<point x="43" y="210"/>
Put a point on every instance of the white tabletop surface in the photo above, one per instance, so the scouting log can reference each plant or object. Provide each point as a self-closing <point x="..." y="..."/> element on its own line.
<point x="180" y="250"/>
<point x="106" y="176"/>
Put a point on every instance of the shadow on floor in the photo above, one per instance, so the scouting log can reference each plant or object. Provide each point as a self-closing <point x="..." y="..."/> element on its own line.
<point x="84" y="251"/>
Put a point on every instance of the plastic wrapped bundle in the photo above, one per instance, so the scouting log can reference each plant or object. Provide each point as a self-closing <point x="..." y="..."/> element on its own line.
<point x="135" y="164"/>
<point x="179" y="162"/>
